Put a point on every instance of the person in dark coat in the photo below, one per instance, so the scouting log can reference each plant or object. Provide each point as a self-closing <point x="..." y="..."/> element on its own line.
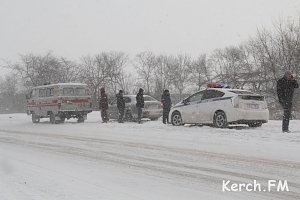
<point x="285" y="91"/>
<point x="103" y="105"/>
<point x="167" y="104"/>
<point x="140" y="104"/>
<point x="120" y="105"/>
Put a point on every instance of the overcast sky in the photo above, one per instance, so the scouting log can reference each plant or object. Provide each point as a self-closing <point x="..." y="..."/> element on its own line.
<point x="74" y="28"/>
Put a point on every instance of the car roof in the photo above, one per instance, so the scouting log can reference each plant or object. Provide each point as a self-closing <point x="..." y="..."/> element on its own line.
<point x="132" y="96"/>
<point x="227" y="89"/>
<point x="234" y="91"/>
<point x="61" y="84"/>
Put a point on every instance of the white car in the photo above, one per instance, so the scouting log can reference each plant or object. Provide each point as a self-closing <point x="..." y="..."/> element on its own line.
<point x="221" y="107"/>
<point x="152" y="108"/>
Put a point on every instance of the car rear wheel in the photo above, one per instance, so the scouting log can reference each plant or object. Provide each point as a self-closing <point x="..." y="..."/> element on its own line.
<point x="220" y="120"/>
<point x="255" y="124"/>
<point x="176" y="119"/>
<point x="128" y="116"/>
<point x="154" y="119"/>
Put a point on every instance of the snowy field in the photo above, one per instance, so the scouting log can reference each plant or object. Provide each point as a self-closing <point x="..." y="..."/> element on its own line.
<point x="91" y="160"/>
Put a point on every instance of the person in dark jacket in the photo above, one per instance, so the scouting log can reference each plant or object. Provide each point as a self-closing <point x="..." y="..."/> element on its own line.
<point x="103" y="105"/>
<point x="120" y="105"/>
<point x="285" y="91"/>
<point x="140" y="104"/>
<point x="167" y="104"/>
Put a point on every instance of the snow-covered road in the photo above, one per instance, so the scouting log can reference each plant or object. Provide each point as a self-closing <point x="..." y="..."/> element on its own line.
<point x="92" y="160"/>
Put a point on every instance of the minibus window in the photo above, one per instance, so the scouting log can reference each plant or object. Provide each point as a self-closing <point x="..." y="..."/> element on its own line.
<point x="42" y="92"/>
<point x="68" y="91"/>
<point x="80" y="91"/>
<point x="33" y="93"/>
<point x="50" y="92"/>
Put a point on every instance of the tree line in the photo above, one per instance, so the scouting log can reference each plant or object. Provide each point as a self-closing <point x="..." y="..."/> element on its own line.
<point x="255" y="64"/>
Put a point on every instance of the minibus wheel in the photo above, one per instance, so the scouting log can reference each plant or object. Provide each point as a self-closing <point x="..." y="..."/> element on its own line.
<point x="80" y="119"/>
<point x="35" y="118"/>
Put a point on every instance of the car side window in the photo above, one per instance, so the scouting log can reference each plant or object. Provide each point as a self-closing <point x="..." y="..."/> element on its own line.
<point x="210" y="94"/>
<point x="195" y="97"/>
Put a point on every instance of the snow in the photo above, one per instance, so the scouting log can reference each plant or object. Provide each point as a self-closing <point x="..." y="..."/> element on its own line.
<point x="93" y="160"/>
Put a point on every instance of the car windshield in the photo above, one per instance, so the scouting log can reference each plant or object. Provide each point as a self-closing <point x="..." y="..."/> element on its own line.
<point x="195" y="97"/>
<point x="148" y="98"/>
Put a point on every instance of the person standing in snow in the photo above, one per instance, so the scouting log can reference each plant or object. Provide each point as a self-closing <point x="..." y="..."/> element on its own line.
<point x="285" y="91"/>
<point x="103" y="105"/>
<point x="120" y="105"/>
<point x="167" y="104"/>
<point x="140" y="104"/>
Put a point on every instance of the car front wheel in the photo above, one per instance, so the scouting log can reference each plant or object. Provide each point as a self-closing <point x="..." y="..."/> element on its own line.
<point x="220" y="120"/>
<point x="176" y="119"/>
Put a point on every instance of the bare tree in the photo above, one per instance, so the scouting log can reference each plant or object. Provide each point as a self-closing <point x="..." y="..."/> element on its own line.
<point x="126" y="82"/>
<point x="94" y="73"/>
<point x="181" y="72"/>
<point x="230" y="66"/>
<point x="146" y="63"/>
<point x="38" y="70"/>
<point x="115" y="63"/>
<point x="11" y="99"/>
<point x="162" y="75"/>
<point x="200" y="72"/>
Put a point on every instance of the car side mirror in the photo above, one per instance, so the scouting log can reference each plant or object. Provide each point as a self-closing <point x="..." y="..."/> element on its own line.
<point x="185" y="101"/>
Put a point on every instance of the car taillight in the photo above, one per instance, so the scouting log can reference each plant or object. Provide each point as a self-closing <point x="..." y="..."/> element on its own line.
<point x="235" y="102"/>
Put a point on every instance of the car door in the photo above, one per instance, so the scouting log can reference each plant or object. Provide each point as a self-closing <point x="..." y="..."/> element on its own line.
<point x="113" y="110"/>
<point x="208" y="105"/>
<point x="190" y="111"/>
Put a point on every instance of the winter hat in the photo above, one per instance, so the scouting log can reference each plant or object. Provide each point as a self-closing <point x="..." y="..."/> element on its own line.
<point x="287" y="73"/>
<point x="120" y="91"/>
<point x="141" y="90"/>
<point x="102" y="90"/>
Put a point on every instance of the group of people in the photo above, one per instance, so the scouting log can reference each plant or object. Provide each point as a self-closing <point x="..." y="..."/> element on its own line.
<point x="103" y="105"/>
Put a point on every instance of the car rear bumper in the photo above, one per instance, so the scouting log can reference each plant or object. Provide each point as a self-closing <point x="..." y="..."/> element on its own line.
<point x="152" y="113"/>
<point x="242" y="116"/>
